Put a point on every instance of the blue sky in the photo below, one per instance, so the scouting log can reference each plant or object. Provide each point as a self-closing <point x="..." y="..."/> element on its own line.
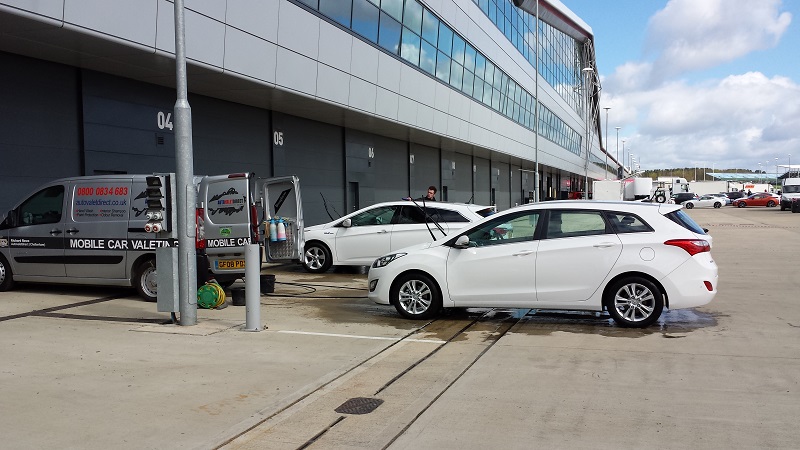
<point x="712" y="83"/>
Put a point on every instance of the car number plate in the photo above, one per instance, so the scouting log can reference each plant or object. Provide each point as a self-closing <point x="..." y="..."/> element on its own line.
<point x="229" y="264"/>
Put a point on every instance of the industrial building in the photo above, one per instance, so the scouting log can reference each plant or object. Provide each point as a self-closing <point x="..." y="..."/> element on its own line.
<point x="363" y="100"/>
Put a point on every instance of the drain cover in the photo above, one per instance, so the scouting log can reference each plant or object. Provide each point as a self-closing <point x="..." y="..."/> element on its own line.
<point x="359" y="405"/>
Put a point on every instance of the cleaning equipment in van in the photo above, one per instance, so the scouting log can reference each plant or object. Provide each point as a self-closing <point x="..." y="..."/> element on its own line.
<point x="210" y="295"/>
<point x="281" y="230"/>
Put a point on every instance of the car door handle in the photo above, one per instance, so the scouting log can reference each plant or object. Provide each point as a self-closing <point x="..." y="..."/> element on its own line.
<point x="55" y="232"/>
<point x="604" y="245"/>
<point x="524" y="253"/>
<point x="383" y="231"/>
<point x="72" y="231"/>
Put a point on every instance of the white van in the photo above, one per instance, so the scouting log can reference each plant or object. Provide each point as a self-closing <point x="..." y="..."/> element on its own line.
<point x="91" y="230"/>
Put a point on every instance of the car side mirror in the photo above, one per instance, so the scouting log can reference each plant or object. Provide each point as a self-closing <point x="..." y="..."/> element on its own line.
<point x="462" y="242"/>
<point x="347" y="223"/>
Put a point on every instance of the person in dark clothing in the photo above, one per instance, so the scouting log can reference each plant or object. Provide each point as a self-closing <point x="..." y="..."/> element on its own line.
<point x="429" y="197"/>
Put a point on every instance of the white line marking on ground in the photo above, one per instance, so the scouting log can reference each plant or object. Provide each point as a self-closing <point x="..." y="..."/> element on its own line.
<point x="378" y="338"/>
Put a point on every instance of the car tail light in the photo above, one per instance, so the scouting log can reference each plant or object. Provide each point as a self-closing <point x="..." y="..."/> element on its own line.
<point x="692" y="246"/>
<point x="709" y="286"/>
<point x="254" y="224"/>
<point x="200" y="232"/>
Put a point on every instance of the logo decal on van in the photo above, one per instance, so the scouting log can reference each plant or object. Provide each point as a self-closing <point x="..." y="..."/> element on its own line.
<point x="138" y="211"/>
<point x="225" y="232"/>
<point x="227" y="206"/>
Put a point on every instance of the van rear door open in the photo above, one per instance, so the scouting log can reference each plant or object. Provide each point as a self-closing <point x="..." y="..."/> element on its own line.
<point x="280" y="198"/>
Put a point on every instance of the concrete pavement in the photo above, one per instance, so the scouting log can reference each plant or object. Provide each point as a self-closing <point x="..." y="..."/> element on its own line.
<point x="108" y="373"/>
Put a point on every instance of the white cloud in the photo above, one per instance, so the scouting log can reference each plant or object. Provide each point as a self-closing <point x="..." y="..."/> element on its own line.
<point x="734" y="122"/>
<point x="692" y="35"/>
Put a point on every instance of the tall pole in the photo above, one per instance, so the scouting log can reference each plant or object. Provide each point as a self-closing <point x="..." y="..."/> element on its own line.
<point x="536" y="115"/>
<point x="623" y="158"/>
<point x="776" y="173"/>
<point x="587" y="72"/>
<point x="184" y="174"/>
<point x="606" y="141"/>
<point x="617" y="147"/>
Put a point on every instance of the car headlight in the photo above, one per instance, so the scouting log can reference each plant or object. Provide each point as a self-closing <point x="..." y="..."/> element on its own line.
<point x="385" y="260"/>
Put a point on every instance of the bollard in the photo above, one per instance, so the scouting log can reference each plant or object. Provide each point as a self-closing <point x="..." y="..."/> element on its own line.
<point x="252" y="272"/>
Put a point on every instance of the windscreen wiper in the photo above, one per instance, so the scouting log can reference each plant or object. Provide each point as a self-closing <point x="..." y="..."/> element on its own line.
<point x="424" y="210"/>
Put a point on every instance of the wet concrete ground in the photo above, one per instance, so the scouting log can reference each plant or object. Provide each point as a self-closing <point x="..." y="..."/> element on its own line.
<point x="97" y="367"/>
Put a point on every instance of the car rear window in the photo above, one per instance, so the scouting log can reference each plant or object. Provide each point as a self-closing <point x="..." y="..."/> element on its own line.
<point x="627" y="223"/>
<point x="681" y="218"/>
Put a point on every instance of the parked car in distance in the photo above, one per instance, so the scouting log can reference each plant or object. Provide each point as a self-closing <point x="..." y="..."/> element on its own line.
<point x="631" y="259"/>
<point x="359" y="237"/>
<point x="681" y="197"/>
<point x="759" y="199"/>
<point x="704" y="201"/>
<point x="734" y="195"/>
<point x="724" y="197"/>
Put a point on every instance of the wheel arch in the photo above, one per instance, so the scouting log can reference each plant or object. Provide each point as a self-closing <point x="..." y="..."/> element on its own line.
<point x="647" y="277"/>
<point x="396" y="282"/>
<point x="138" y="263"/>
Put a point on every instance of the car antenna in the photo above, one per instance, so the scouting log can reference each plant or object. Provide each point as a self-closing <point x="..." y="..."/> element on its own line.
<point x="424" y="210"/>
<point x="470" y="199"/>
<point x="325" y="203"/>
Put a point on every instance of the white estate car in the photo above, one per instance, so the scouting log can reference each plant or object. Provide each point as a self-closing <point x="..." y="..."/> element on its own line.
<point x="358" y="238"/>
<point x="629" y="258"/>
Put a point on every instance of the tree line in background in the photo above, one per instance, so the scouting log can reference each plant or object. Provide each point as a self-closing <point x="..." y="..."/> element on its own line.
<point x="689" y="172"/>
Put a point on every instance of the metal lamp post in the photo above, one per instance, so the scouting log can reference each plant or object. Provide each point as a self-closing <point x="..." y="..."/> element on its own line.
<point x="587" y="72"/>
<point x="790" y="159"/>
<point x="759" y="173"/>
<point x="606" y="141"/>
<point x="776" y="173"/>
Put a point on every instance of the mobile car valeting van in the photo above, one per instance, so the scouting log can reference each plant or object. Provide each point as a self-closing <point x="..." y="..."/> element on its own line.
<point x="91" y="230"/>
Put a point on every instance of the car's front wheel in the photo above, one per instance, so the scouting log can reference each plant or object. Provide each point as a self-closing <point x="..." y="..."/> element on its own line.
<point x="416" y="296"/>
<point x="741" y="204"/>
<point x="634" y="302"/>
<point x="770" y="204"/>
<point x="146" y="280"/>
<point x="317" y="258"/>
<point x="6" y="277"/>
<point x="717" y="205"/>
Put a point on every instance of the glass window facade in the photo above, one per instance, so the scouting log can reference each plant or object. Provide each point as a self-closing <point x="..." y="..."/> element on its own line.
<point x="409" y="30"/>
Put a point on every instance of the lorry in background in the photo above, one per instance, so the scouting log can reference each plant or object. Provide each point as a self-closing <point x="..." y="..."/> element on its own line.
<point x="790" y="194"/>
<point x="638" y="189"/>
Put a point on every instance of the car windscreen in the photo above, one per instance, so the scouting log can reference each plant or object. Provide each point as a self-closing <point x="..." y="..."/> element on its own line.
<point x="681" y="218"/>
<point x="791" y="189"/>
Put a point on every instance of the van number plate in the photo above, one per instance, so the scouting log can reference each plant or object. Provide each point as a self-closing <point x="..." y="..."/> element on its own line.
<point x="230" y="264"/>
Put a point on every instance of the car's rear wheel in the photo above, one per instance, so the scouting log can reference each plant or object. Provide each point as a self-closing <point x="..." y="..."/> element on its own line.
<point x="416" y="296"/>
<point x="741" y="204"/>
<point x="689" y="205"/>
<point x="717" y="205"/>
<point x="6" y="276"/>
<point x="146" y="280"/>
<point x="770" y="204"/>
<point x="634" y="302"/>
<point x="317" y="258"/>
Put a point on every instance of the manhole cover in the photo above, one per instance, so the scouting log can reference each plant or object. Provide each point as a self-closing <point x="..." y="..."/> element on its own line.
<point x="359" y="405"/>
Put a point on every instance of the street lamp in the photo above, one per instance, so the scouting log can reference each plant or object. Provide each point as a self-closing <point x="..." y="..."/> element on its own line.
<point x="587" y="72"/>
<point x="776" y="173"/>
<point x="759" y="173"/>
<point x="790" y="156"/>
<point x="623" y="157"/>
<point x="606" y="141"/>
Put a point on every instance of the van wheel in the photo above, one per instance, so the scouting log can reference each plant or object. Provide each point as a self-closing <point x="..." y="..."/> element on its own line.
<point x="6" y="276"/>
<point x="660" y="198"/>
<point x="146" y="281"/>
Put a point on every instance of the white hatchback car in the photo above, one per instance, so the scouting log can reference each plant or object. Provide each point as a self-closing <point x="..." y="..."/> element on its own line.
<point x="629" y="258"/>
<point x="358" y="238"/>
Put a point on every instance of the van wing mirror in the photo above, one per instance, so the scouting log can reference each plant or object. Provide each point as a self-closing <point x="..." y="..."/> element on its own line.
<point x="462" y="242"/>
<point x="347" y="223"/>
